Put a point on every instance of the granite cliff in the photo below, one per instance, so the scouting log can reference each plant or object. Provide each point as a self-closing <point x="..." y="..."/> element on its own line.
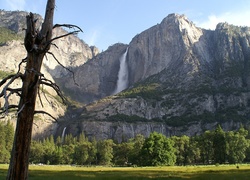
<point x="70" y="52"/>
<point x="181" y="80"/>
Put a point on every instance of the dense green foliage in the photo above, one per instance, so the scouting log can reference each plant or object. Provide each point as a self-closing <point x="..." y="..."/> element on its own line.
<point x="7" y="35"/>
<point x="158" y="150"/>
<point x="6" y="140"/>
<point x="211" y="147"/>
<point x="146" y="90"/>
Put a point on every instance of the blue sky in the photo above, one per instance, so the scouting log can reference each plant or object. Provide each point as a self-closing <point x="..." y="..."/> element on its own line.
<point x="106" y="22"/>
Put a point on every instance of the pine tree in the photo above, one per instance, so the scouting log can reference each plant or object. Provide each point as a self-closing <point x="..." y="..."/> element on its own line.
<point x="181" y="145"/>
<point x="4" y="153"/>
<point x="219" y="145"/>
<point x="237" y="145"/>
<point x="37" y="152"/>
<point x="105" y="151"/>
<point x="137" y="142"/>
<point x="206" y="147"/>
<point x="9" y="135"/>
<point x="49" y="149"/>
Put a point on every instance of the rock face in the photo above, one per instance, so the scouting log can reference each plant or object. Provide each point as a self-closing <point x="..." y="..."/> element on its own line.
<point x="16" y="20"/>
<point x="97" y="78"/>
<point x="164" y="45"/>
<point x="71" y="52"/>
<point x="176" y="49"/>
<point x="183" y="80"/>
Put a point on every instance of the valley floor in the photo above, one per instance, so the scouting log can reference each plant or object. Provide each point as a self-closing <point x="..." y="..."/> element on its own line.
<point x="57" y="172"/>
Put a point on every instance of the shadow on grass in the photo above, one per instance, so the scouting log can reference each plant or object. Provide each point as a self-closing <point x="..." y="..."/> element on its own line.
<point x="133" y="175"/>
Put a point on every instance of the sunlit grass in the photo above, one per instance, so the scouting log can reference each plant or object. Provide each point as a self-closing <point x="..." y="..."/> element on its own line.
<point x="221" y="172"/>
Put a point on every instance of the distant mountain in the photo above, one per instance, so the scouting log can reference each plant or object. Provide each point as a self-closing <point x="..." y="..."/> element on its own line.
<point x="70" y="52"/>
<point x="181" y="80"/>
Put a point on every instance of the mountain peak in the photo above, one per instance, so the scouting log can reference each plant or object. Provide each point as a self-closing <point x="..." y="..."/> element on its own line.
<point x="182" y="24"/>
<point x="16" y="20"/>
<point x="174" y="17"/>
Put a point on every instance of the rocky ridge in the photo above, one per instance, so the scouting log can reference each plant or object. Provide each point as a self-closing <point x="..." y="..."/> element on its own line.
<point x="183" y="80"/>
<point x="70" y="51"/>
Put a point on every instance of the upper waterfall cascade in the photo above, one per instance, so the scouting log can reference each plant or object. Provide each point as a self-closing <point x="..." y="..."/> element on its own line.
<point x="122" y="81"/>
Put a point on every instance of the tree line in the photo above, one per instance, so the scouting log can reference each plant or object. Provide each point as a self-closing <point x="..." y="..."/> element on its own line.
<point x="211" y="147"/>
<point x="6" y="141"/>
<point x="7" y="35"/>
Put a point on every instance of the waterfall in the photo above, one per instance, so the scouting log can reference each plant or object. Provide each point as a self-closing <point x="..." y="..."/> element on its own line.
<point x="63" y="133"/>
<point x="122" y="81"/>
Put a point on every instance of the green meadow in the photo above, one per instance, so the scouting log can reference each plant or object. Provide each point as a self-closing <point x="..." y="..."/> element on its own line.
<point x="57" y="172"/>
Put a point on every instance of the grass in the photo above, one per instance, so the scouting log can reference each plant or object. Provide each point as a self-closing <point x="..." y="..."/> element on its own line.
<point x="224" y="172"/>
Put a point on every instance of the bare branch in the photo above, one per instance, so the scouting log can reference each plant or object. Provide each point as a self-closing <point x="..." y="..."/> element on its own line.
<point x="44" y="112"/>
<point x="54" y="86"/>
<point x="19" y="65"/>
<point x="12" y="77"/>
<point x="55" y="45"/>
<point x="20" y="110"/>
<point x="48" y="43"/>
<point x="67" y="26"/>
<point x="4" y="110"/>
<point x="45" y="96"/>
<point x="39" y="96"/>
<point x="36" y="125"/>
<point x="17" y="91"/>
<point x="64" y="67"/>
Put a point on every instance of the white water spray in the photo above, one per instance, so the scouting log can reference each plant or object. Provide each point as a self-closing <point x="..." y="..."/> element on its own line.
<point x="122" y="81"/>
<point x="63" y="134"/>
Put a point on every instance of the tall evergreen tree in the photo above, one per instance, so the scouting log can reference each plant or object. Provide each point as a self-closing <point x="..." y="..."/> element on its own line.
<point x="81" y="154"/>
<point x="68" y="154"/>
<point x="134" y="156"/>
<point x="181" y="145"/>
<point x="237" y="145"/>
<point x="206" y="147"/>
<point x="57" y="157"/>
<point x="105" y="152"/>
<point x="92" y="152"/>
<point x="4" y="153"/>
<point x="194" y="151"/>
<point x="219" y="145"/>
<point x="49" y="149"/>
<point x="37" y="152"/>
<point x="9" y="136"/>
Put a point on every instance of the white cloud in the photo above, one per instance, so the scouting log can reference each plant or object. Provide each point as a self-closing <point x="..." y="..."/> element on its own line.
<point x="93" y="37"/>
<point x="16" y="4"/>
<point x="235" y="18"/>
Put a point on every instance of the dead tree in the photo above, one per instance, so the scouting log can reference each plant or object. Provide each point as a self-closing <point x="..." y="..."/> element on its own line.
<point x="37" y="44"/>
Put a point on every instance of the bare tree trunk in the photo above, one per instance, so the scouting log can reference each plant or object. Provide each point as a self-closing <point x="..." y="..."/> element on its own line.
<point x="37" y="44"/>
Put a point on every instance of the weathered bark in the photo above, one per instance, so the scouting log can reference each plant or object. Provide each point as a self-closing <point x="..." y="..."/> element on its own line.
<point x="37" y="44"/>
